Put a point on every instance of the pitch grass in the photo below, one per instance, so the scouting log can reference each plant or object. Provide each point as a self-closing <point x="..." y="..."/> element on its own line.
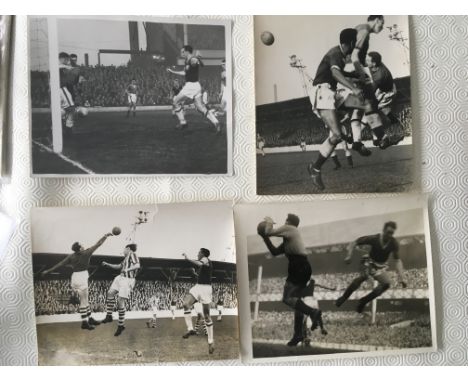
<point x="351" y="328"/>
<point x="68" y="344"/>
<point x="389" y="170"/>
<point x="109" y="143"/>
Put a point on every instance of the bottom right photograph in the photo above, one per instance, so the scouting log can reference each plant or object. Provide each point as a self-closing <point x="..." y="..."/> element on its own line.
<point x="336" y="277"/>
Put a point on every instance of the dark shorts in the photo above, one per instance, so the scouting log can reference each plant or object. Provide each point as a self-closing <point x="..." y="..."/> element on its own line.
<point x="299" y="271"/>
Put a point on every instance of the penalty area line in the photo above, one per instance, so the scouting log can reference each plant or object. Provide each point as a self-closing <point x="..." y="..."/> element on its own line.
<point x="65" y="158"/>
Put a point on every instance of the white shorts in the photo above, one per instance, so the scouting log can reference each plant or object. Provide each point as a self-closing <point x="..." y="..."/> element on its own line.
<point x="132" y="99"/>
<point x="203" y="293"/>
<point x="190" y="91"/>
<point x="219" y="307"/>
<point x="155" y="310"/>
<point x="66" y="99"/>
<point x="323" y="97"/>
<point x="173" y="307"/>
<point x="79" y="280"/>
<point x="198" y="307"/>
<point x="123" y="285"/>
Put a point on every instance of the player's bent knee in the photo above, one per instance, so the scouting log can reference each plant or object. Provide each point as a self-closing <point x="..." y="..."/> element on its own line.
<point x="335" y="139"/>
<point x="290" y="301"/>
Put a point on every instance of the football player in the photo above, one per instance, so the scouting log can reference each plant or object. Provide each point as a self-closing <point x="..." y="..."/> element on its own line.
<point x="192" y="90"/>
<point x="374" y="264"/>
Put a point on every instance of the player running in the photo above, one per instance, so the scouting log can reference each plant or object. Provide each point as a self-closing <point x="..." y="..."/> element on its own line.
<point x="151" y="323"/>
<point x="374" y="264"/>
<point x="326" y="100"/>
<point x="202" y="292"/>
<point x="192" y="90"/>
<point x="173" y="308"/>
<point x="131" y="93"/>
<point x="79" y="262"/>
<point x="220" y="307"/>
<point x="299" y="272"/>
<point x="122" y="285"/>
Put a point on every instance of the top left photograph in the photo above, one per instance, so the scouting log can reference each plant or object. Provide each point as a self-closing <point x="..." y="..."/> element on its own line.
<point x="128" y="95"/>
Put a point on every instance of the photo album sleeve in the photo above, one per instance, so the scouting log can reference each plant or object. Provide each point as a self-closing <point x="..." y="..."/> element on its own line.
<point x="233" y="190"/>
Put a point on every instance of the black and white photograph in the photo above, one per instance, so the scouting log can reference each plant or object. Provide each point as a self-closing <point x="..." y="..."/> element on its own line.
<point x="333" y="104"/>
<point x="336" y="278"/>
<point x="130" y="96"/>
<point x="6" y="27"/>
<point x="135" y="284"/>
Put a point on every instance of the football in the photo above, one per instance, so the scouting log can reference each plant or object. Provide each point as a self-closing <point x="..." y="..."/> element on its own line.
<point x="261" y="228"/>
<point x="267" y="38"/>
<point x="116" y="231"/>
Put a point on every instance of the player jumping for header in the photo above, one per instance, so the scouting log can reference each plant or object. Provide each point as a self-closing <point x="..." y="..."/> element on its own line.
<point x="374" y="24"/>
<point x="122" y="285"/>
<point x="192" y="90"/>
<point x="79" y="262"/>
<point x="131" y="93"/>
<point x="299" y="272"/>
<point x="326" y="100"/>
<point x="374" y="264"/>
<point x="201" y="292"/>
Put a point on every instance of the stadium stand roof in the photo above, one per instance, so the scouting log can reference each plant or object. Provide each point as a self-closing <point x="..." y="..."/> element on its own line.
<point x="151" y="268"/>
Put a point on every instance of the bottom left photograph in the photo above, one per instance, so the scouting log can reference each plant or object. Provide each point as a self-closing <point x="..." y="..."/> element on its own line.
<point x="135" y="284"/>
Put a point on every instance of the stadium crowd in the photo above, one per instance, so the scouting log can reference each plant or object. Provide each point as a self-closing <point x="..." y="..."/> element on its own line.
<point x="416" y="279"/>
<point x="104" y="86"/>
<point x="57" y="296"/>
<point x="350" y="328"/>
<point x="290" y="132"/>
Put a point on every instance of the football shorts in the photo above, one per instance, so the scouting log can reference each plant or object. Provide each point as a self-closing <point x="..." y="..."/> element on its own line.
<point x="132" y="99"/>
<point x="123" y="285"/>
<point x="66" y="99"/>
<point x="190" y="91"/>
<point x="79" y="280"/>
<point x="203" y="293"/>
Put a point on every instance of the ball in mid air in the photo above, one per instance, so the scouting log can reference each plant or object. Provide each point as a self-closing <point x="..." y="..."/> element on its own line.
<point x="261" y="228"/>
<point x="116" y="231"/>
<point x="267" y="38"/>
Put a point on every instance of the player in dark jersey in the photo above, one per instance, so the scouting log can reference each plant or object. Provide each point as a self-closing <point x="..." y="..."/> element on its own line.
<point x="375" y="24"/>
<point x="374" y="264"/>
<point x="192" y="90"/>
<point x="201" y="292"/>
<point x="122" y="285"/>
<point x="131" y="93"/>
<point x="326" y="100"/>
<point x="299" y="272"/>
<point x="79" y="263"/>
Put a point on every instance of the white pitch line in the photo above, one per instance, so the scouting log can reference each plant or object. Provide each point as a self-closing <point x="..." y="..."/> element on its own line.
<point x="65" y="158"/>
<point x="329" y="345"/>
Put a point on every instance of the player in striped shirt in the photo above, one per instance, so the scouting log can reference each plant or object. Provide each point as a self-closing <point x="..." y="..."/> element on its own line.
<point x="122" y="285"/>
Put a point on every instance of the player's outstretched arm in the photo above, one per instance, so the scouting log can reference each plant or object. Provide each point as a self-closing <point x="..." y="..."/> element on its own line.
<point x="100" y="242"/>
<point x="176" y="72"/>
<point x="56" y="266"/>
<point x="362" y="36"/>
<point x="197" y="263"/>
<point x="115" y="267"/>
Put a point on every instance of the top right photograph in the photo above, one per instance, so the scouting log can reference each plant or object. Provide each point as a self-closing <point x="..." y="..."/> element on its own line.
<point x="333" y="104"/>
